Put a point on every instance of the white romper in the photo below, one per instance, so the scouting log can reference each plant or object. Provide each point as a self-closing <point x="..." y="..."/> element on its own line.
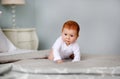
<point x="61" y="50"/>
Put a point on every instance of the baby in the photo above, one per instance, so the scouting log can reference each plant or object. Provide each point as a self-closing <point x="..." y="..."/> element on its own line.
<point x="66" y="46"/>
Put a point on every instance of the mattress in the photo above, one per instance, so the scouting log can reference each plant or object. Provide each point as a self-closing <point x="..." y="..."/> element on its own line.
<point x="90" y="67"/>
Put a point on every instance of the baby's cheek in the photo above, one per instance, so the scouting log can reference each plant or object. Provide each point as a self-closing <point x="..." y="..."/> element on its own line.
<point x="73" y="40"/>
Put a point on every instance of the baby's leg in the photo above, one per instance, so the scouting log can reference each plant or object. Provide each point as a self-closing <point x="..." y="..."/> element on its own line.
<point x="51" y="57"/>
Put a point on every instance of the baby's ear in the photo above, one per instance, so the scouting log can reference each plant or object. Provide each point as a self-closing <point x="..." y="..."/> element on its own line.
<point x="78" y="35"/>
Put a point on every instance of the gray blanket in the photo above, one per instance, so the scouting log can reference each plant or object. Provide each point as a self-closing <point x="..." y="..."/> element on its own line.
<point x="90" y="67"/>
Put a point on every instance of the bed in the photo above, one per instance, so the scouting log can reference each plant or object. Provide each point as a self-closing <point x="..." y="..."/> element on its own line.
<point x="90" y="67"/>
<point x="31" y="64"/>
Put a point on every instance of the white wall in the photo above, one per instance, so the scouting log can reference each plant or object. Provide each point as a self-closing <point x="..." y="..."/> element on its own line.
<point x="99" y="21"/>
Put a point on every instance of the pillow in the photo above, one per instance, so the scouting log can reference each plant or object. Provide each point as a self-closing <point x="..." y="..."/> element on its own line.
<point x="5" y="43"/>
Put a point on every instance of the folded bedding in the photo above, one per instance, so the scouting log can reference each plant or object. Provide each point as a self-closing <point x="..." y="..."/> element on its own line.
<point x="90" y="66"/>
<point x="44" y="66"/>
<point x="92" y="62"/>
<point x="22" y="54"/>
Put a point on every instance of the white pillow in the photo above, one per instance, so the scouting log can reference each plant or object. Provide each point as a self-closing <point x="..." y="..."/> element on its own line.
<point x="5" y="43"/>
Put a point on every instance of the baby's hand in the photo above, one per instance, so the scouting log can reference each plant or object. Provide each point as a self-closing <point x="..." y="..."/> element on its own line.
<point x="59" y="61"/>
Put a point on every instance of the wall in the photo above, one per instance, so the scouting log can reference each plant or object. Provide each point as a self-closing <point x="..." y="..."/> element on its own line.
<point x="25" y="15"/>
<point x="99" y="21"/>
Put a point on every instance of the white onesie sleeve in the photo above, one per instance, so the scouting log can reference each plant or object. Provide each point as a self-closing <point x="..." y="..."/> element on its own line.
<point x="76" y="51"/>
<point x="56" y="48"/>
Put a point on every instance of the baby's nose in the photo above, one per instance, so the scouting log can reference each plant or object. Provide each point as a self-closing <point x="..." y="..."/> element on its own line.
<point x="68" y="37"/>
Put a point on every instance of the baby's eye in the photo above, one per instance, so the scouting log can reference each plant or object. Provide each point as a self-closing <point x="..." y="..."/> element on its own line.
<point x="65" y="34"/>
<point x="72" y="35"/>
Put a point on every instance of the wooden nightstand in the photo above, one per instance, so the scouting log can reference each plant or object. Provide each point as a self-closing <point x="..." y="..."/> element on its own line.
<point x="24" y="38"/>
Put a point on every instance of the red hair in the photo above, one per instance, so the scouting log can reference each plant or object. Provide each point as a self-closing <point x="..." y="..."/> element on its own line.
<point x="71" y="25"/>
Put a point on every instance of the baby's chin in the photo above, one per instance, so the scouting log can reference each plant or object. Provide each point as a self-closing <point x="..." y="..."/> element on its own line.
<point x="68" y="43"/>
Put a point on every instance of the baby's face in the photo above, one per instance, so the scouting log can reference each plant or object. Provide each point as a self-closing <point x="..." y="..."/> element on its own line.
<point x="69" y="36"/>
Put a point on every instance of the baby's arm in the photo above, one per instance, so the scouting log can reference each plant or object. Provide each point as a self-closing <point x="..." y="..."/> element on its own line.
<point x="51" y="57"/>
<point x="76" y="57"/>
<point x="76" y="51"/>
<point x="56" y="55"/>
<point x="56" y="48"/>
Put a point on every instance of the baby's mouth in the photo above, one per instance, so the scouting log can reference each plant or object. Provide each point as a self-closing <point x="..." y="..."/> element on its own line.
<point x="67" y="42"/>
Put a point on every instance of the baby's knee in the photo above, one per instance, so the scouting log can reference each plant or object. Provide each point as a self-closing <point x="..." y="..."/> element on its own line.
<point x="50" y="57"/>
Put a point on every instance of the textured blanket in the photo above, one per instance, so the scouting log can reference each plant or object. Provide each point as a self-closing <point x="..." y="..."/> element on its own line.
<point x="90" y="67"/>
